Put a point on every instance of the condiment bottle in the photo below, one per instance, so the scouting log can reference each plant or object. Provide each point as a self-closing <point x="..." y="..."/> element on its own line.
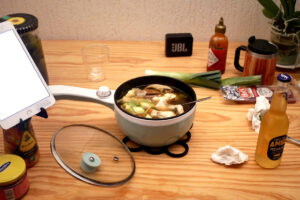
<point x="274" y="127"/>
<point x="20" y="140"/>
<point x="218" y="46"/>
<point x="27" y="27"/>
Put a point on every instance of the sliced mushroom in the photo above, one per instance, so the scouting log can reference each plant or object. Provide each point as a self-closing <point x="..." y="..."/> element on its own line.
<point x="152" y="91"/>
<point x="159" y="87"/>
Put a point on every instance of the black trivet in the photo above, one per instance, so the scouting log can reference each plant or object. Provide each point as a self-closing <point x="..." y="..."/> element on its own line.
<point x="159" y="150"/>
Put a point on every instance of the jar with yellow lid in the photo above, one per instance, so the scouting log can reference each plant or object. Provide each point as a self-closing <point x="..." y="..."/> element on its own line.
<point x="14" y="182"/>
<point x="27" y="27"/>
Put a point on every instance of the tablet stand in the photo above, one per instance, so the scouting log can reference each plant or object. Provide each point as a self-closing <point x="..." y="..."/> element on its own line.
<point x="43" y="113"/>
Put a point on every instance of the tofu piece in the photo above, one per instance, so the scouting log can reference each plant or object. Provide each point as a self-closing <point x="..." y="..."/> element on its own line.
<point x="169" y="96"/>
<point x="162" y="105"/>
<point x="165" y="114"/>
<point x="162" y="114"/>
<point x="178" y="109"/>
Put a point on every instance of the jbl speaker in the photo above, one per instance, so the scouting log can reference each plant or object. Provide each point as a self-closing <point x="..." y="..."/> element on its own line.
<point x="179" y="44"/>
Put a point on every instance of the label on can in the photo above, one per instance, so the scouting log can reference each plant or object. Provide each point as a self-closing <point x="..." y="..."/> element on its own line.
<point x="276" y="146"/>
<point x="9" y="194"/>
<point x="15" y="191"/>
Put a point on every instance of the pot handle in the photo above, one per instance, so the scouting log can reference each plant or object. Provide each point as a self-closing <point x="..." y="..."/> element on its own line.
<point x="82" y="94"/>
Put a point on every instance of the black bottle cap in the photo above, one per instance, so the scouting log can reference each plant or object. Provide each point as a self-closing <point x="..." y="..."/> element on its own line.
<point x="23" y="22"/>
<point x="261" y="46"/>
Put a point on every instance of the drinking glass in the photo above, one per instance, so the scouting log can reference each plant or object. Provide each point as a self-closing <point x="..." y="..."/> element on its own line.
<point x="95" y="59"/>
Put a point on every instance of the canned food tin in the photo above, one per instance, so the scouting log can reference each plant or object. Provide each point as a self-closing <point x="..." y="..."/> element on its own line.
<point x="14" y="183"/>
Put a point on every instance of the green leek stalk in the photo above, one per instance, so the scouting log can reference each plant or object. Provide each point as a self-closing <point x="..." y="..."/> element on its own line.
<point x="245" y="80"/>
<point x="211" y="79"/>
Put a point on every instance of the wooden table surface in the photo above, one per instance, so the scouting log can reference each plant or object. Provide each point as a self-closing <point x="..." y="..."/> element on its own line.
<point x="217" y="123"/>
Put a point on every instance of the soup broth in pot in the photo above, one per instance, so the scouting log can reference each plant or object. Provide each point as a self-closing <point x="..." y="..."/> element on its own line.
<point x="155" y="101"/>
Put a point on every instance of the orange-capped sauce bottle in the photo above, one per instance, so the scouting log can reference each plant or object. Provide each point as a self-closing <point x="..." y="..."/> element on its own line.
<point x="218" y="46"/>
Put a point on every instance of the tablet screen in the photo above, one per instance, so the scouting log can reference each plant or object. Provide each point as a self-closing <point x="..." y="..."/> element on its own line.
<point x="20" y="85"/>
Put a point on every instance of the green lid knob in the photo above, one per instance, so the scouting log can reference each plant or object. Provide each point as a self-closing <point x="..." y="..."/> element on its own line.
<point x="90" y="162"/>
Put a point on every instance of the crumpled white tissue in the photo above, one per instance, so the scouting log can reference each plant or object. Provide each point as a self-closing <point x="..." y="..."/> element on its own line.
<point x="229" y="155"/>
<point x="255" y="114"/>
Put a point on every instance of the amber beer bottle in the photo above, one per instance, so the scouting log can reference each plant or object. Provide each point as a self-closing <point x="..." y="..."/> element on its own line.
<point x="274" y="127"/>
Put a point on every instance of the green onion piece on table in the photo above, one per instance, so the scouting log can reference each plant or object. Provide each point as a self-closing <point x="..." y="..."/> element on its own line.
<point x="244" y="80"/>
<point x="211" y="79"/>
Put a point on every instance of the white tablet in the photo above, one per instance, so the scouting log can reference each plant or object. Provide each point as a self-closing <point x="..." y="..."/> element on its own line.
<point x="23" y="91"/>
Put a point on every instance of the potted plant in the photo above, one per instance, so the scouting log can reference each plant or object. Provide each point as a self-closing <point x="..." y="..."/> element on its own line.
<point x="285" y="32"/>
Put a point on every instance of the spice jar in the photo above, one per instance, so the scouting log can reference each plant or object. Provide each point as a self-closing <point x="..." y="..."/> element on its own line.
<point x="20" y="140"/>
<point x="14" y="182"/>
<point x="27" y="27"/>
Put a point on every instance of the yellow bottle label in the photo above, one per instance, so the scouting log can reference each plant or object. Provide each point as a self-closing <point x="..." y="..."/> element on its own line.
<point x="27" y="142"/>
<point x="276" y="146"/>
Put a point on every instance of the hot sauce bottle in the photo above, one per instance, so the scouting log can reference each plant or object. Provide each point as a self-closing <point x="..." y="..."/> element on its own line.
<point x="218" y="45"/>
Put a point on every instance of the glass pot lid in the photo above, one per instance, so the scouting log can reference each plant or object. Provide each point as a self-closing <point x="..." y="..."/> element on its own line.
<point x="92" y="155"/>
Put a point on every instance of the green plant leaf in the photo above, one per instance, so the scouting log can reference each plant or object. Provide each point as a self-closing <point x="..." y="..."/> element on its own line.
<point x="291" y="6"/>
<point x="285" y="6"/>
<point x="271" y="8"/>
<point x="294" y="26"/>
<point x="268" y="14"/>
<point x="295" y="23"/>
<point x="297" y="14"/>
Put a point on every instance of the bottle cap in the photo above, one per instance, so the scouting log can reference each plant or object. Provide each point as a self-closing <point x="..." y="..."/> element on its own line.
<point x="12" y="168"/>
<point x="23" y="22"/>
<point x="283" y="77"/>
<point x="220" y="28"/>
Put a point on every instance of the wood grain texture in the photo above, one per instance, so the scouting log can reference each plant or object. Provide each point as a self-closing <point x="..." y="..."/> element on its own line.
<point x="217" y="123"/>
